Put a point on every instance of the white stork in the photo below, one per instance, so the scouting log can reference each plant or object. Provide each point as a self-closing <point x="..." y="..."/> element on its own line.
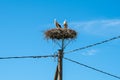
<point x="65" y="24"/>
<point x="57" y="24"/>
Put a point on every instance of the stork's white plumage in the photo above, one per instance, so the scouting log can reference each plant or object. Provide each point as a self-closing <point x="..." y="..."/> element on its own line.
<point x="57" y="24"/>
<point x="65" y="24"/>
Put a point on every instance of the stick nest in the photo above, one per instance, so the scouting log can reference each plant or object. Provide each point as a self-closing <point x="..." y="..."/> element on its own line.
<point x="60" y="33"/>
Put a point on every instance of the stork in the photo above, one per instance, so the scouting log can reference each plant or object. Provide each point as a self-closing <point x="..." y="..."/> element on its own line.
<point x="57" y="24"/>
<point x="65" y="24"/>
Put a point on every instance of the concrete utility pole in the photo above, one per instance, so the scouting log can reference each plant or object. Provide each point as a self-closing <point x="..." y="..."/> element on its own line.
<point x="58" y="73"/>
<point x="60" y="56"/>
<point x="59" y="69"/>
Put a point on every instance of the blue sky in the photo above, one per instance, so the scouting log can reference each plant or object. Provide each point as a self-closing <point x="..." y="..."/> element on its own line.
<point x="22" y="26"/>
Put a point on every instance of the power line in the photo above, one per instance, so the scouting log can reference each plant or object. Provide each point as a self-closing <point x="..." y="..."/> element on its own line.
<point x="18" y="57"/>
<point x="95" y="44"/>
<point x="92" y="68"/>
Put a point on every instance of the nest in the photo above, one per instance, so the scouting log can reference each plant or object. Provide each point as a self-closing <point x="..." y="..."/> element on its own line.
<point x="60" y="33"/>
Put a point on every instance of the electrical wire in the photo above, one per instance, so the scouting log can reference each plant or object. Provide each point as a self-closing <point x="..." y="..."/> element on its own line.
<point x="92" y="68"/>
<point x="95" y="44"/>
<point x="46" y="56"/>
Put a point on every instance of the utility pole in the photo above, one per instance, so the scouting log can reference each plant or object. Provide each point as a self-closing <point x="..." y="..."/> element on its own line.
<point x="60" y="56"/>
<point x="59" y="68"/>
<point x="58" y="73"/>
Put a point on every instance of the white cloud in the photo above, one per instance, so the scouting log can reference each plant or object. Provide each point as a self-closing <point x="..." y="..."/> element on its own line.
<point x="89" y="52"/>
<point x="98" y="27"/>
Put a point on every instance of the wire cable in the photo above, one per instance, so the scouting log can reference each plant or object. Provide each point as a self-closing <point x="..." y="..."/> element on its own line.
<point x="46" y="56"/>
<point x="95" y="44"/>
<point x="92" y="68"/>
